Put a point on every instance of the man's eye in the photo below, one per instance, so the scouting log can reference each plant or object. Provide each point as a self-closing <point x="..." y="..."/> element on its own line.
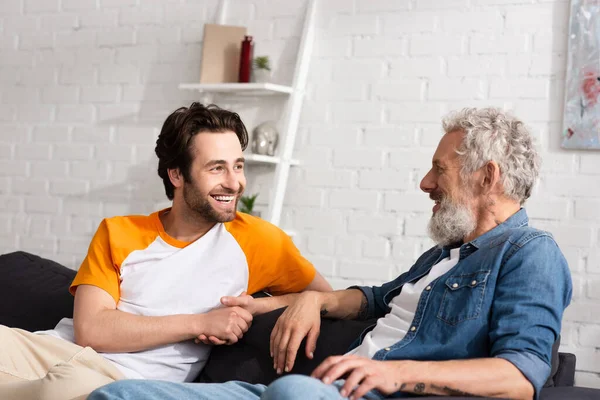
<point x="219" y="168"/>
<point x="240" y="166"/>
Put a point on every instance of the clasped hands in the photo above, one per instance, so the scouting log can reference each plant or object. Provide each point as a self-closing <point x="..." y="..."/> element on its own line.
<point x="226" y="325"/>
<point x="303" y="319"/>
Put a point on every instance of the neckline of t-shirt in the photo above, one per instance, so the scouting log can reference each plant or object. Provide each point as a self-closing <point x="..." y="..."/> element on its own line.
<point x="163" y="234"/>
<point x="454" y="253"/>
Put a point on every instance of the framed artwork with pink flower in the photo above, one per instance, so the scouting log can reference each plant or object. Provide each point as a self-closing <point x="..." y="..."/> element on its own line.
<point x="581" y="123"/>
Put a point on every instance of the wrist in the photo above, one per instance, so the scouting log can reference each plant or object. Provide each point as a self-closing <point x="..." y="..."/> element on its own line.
<point x="320" y="300"/>
<point x="412" y="372"/>
<point x="261" y="306"/>
<point x="196" y="325"/>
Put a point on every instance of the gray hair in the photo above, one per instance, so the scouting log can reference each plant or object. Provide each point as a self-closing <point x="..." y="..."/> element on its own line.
<point x="493" y="135"/>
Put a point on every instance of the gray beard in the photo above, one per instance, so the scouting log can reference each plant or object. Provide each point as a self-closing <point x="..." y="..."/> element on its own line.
<point x="451" y="223"/>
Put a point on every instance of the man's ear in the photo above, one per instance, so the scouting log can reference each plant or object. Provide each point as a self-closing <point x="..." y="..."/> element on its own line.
<point x="176" y="177"/>
<point x="491" y="176"/>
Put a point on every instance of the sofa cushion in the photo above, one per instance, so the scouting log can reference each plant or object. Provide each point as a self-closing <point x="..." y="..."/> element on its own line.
<point x="34" y="294"/>
<point x="554" y="364"/>
<point x="570" y="393"/>
<point x="249" y="359"/>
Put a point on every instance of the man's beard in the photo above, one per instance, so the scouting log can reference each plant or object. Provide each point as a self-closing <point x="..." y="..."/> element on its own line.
<point x="202" y="207"/>
<point x="451" y="223"/>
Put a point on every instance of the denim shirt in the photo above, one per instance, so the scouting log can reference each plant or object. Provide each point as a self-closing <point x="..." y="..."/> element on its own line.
<point x="505" y="298"/>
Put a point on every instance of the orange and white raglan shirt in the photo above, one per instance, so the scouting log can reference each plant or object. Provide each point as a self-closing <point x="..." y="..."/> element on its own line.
<point x="150" y="273"/>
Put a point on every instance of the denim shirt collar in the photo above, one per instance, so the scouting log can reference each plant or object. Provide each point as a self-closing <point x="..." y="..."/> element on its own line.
<point x="516" y="220"/>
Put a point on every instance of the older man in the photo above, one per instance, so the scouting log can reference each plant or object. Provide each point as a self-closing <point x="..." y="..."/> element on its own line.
<point x="476" y="315"/>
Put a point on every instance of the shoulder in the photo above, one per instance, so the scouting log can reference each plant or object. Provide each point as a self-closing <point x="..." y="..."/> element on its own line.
<point x="532" y="247"/>
<point x="128" y="232"/>
<point x="129" y="223"/>
<point x="519" y="237"/>
<point x="249" y="227"/>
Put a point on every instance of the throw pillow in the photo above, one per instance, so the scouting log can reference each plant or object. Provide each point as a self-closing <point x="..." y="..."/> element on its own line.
<point x="34" y="294"/>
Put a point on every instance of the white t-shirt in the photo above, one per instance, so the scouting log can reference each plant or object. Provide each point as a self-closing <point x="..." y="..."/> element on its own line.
<point x="392" y="328"/>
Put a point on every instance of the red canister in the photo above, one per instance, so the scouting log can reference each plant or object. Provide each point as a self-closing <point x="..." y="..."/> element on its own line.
<point x="246" y="60"/>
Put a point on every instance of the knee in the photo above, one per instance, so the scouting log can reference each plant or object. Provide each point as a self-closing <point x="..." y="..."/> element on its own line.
<point x="294" y="387"/>
<point x="65" y="380"/>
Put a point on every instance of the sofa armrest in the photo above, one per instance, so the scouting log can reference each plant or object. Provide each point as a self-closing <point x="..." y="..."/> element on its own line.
<point x="565" y="375"/>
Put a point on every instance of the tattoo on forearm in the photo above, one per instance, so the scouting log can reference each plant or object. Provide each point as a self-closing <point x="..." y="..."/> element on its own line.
<point x="422" y="388"/>
<point x="364" y="309"/>
<point x="452" y="392"/>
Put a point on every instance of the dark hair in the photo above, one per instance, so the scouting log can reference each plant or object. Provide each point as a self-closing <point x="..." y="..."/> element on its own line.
<point x="174" y="142"/>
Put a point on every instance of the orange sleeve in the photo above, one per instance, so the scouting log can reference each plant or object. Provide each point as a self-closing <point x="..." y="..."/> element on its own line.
<point x="275" y="264"/>
<point x="291" y="273"/>
<point x="98" y="268"/>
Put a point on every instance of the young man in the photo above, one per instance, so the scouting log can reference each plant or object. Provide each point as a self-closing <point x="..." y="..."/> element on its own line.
<point x="475" y="316"/>
<point x="150" y="286"/>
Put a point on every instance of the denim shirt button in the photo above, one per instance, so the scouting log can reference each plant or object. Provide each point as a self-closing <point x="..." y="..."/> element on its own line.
<point x="428" y="288"/>
<point x="413" y="328"/>
<point x="455" y="285"/>
<point x="473" y="283"/>
<point x="387" y="349"/>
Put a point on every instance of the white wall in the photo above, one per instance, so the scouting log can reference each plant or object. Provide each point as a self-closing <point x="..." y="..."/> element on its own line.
<point x="86" y="84"/>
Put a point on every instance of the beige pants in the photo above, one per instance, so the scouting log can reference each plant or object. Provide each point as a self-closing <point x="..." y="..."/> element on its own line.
<point x="42" y="367"/>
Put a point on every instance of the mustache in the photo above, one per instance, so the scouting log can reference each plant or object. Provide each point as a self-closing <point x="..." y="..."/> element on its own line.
<point x="231" y="192"/>
<point x="437" y="196"/>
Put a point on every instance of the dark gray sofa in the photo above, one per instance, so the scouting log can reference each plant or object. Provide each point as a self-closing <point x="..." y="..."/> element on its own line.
<point x="34" y="296"/>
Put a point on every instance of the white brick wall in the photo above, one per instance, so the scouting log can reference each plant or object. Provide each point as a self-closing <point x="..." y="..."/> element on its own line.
<point x="86" y="84"/>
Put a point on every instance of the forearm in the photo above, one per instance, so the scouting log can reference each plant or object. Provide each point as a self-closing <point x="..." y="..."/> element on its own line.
<point x="343" y="304"/>
<point x="487" y="377"/>
<point x="114" y="331"/>
<point x="340" y="304"/>
<point x="264" y="305"/>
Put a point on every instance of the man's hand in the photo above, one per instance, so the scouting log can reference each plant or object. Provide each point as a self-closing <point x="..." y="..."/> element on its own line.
<point x="365" y="374"/>
<point x="300" y="319"/>
<point x="224" y="325"/>
<point x="244" y="301"/>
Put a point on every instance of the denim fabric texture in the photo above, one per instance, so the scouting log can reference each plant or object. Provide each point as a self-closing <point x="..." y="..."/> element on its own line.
<point x="290" y="387"/>
<point x="505" y="298"/>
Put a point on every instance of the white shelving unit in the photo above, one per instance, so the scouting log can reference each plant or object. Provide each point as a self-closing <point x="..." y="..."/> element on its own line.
<point x="292" y="95"/>
<point x="258" y="158"/>
<point x="239" y="89"/>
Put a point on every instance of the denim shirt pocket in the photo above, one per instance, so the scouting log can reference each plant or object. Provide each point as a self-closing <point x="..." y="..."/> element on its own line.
<point x="463" y="297"/>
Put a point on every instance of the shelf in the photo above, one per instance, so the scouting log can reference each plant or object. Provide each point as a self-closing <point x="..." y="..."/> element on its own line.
<point x="260" y="159"/>
<point x="246" y="89"/>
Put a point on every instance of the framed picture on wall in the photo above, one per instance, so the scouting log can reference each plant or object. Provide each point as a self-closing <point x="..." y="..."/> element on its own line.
<point x="581" y="122"/>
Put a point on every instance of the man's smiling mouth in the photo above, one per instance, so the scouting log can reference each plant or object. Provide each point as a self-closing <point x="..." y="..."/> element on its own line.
<point x="223" y="199"/>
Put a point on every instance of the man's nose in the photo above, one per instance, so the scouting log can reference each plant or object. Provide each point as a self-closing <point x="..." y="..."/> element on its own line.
<point x="232" y="181"/>
<point x="428" y="184"/>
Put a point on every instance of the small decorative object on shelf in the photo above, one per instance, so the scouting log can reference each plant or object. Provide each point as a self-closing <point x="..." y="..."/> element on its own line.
<point x="246" y="59"/>
<point x="247" y="205"/>
<point x="265" y="138"/>
<point x="261" y="69"/>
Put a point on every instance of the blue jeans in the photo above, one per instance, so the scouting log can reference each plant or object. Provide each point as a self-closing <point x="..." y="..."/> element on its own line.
<point x="288" y="387"/>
